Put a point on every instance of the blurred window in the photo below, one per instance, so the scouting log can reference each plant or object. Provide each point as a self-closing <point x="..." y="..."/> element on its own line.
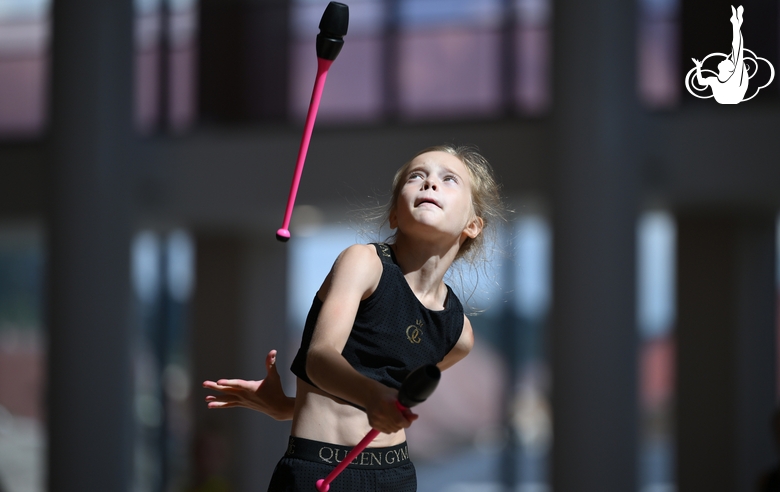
<point x="165" y="63"/>
<point x="658" y="45"/>
<point x="656" y="273"/>
<point x="22" y="359"/>
<point x="426" y="59"/>
<point x="163" y="278"/>
<point x="24" y="38"/>
<point x="353" y="90"/>
<point x="448" y="58"/>
<point x="162" y="273"/>
<point x="656" y="278"/>
<point x="404" y="59"/>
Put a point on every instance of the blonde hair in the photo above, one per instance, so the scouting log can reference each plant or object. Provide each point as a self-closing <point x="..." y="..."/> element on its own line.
<point x="485" y="196"/>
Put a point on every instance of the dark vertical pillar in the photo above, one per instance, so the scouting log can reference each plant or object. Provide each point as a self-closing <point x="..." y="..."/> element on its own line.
<point x="263" y="327"/>
<point x="267" y="58"/>
<point x="238" y="316"/>
<point x="243" y="67"/>
<point x="726" y="349"/>
<point x="215" y="320"/>
<point x="89" y="218"/>
<point x="594" y="188"/>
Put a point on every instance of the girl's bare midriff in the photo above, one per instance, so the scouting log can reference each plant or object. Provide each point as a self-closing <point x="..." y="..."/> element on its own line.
<point x="320" y="417"/>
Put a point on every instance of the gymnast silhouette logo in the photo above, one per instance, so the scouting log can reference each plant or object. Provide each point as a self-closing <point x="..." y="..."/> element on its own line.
<point x="730" y="84"/>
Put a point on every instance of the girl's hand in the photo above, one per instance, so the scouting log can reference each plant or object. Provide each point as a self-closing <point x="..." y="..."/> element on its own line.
<point x="697" y="62"/>
<point x="266" y="395"/>
<point x="383" y="414"/>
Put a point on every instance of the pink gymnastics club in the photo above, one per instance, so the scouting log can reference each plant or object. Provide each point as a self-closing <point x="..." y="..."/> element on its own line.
<point x="416" y="388"/>
<point x="333" y="27"/>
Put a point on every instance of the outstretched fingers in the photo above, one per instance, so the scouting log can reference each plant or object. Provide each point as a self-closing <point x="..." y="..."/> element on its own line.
<point x="233" y="393"/>
<point x="266" y="395"/>
<point x="237" y="384"/>
<point x="230" y="385"/>
<point x="224" y="401"/>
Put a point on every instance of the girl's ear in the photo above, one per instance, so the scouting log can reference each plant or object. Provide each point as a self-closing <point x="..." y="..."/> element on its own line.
<point x="474" y="228"/>
<point x="392" y="219"/>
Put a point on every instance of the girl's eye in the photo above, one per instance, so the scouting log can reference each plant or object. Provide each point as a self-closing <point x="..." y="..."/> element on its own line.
<point x="451" y="178"/>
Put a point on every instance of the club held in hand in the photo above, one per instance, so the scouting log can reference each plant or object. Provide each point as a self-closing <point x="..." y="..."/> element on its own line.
<point x="415" y="389"/>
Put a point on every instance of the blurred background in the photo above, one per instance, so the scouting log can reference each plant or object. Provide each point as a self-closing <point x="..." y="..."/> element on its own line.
<point x="626" y="315"/>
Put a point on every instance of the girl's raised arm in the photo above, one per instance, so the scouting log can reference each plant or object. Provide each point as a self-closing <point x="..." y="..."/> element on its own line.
<point x="354" y="277"/>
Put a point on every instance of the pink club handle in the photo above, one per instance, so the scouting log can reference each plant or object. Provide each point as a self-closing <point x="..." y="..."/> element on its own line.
<point x="323" y="66"/>
<point x="323" y="484"/>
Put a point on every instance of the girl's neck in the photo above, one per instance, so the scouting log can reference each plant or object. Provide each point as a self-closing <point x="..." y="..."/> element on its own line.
<point x="424" y="265"/>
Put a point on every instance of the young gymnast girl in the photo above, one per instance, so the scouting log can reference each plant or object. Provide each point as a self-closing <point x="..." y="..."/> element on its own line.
<point x="382" y="311"/>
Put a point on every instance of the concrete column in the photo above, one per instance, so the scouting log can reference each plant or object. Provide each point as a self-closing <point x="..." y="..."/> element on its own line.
<point x="244" y="60"/>
<point x="89" y="219"/>
<point x="594" y="180"/>
<point x="726" y="355"/>
<point x="239" y="314"/>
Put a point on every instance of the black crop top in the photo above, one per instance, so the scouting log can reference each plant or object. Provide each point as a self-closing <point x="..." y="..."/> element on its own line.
<point x="393" y="332"/>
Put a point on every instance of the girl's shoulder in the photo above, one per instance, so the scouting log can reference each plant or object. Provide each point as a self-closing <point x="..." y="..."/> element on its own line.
<point x="362" y="254"/>
<point x="359" y="266"/>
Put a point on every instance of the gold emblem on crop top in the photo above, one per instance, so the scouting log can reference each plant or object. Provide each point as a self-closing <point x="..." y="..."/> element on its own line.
<point x="414" y="332"/>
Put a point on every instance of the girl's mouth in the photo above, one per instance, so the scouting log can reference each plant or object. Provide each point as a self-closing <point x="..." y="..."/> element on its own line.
<point x="423" y="201"/>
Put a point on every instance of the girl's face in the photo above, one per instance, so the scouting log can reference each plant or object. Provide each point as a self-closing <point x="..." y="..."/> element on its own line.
<point x="436" y="197"/>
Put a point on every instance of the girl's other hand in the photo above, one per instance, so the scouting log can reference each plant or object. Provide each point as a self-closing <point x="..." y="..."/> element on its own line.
<point x="266" y="396"/>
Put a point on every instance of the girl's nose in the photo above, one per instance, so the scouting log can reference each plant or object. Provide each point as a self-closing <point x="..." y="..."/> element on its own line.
<point x="429" y="184"/>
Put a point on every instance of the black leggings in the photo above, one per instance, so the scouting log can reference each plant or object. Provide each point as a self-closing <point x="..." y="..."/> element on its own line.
<point x="374" y="470"/>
